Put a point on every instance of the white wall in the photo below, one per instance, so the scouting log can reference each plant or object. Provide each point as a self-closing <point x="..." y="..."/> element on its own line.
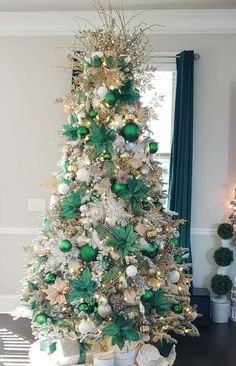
<point x="31" y="78"/>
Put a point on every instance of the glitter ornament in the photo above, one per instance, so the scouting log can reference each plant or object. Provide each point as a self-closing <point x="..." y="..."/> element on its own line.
<point x="151" y="251"/>
<point x="63" y="188"/>
<point x="104" y="310"/>
<point x="174" y="276"/>
<point x="173" y="242"/>
<point x="83" y="307"/>
<point x="82" y="132"/>
<point x="65" y="246"/>
<point x="153" y="147"/>
<point x="50" y="278"/>
<point x="131" y="271"/>
<point x="105" y="156"/>
<point x="93" y="198"/>
<point x="96" y="61"/>
<point x="117" y="187"/>
<point x="130" y="296"/>
<point x="93" y="114"/>
<point x="177" y="308"/>
<point x="130" y="132"/>
<point x="151" y="234"/>
<point x="82" y="175"/>
<point x="102" y="91"/>
<point x="88" y="253"/>
<point x="179" y="259"/>
<point x="85" y="327"/>
<point x="148" y="295"/>
<point x="110" y="99"/>
<point x="42" y="319"/>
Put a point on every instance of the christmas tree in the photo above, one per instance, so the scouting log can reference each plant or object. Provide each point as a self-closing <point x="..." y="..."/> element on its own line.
<point x="107" y="268"/>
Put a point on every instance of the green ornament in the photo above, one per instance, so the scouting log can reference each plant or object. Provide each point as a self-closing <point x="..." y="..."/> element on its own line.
<point x="83" y="307"/>
<point x="117" y="187"/>
<point x="131" y="132"/>
<point x="66" y="165"/>
<point x="109" y="60"/>
<point x="90" y="79"/>
<point x="96" y="61"/>
<point x="93" y="114"/>
<point x="157" y="203"/>
<point x="65" y="246"/>
<point x="86" y="64"/>
<point x="148" y="295"/>
<point x="41" y="319"/>
<point x="151" y="251"/>
<point x="82" y="131"/>
<point x="121" y="63"/>
<point x="106" y="156"/>
<point x="93" y="197"/>
<point x="145" y="205"/>
<point x="106" y="263"/>
<point x="110" y="99"/>
<point x="94" y="309"/>
<point x="153" y="147"/>
<point x="177" y="308"/>
<point x="173" y="242"/>
<point x="179" y="259"/>
<point x="88" y="253"/>
<point x="50" y="278"/>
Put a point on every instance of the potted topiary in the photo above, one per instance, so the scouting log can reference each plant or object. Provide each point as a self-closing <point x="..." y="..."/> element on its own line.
<point x="221" y="284"/>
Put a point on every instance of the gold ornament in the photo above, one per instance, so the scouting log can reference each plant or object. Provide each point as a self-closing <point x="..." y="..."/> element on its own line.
<point x="152" y="271"/>
<point x="144" y="328"/>
<point x="130" y="296"/>
<point x="151" y="234"/>
<point x="115" y="255"/>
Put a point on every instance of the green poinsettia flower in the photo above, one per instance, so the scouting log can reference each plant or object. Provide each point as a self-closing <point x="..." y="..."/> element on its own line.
<point x="71" y="204"/>
<point x="123" y="238"/>
<point x="70" y="132"/>
<point x="82" y="288"/>
<point x="102" y="138"/>
<point x="121" y="330"/>
<point x="134" y="192"/>
<point x="160" y="303"/>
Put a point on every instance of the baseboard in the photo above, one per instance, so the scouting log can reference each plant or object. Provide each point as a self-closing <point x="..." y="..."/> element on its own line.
<point x="8" y="303"/>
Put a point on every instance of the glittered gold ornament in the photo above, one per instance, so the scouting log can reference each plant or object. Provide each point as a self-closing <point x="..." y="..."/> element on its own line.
<point x="144" y="328"/>
<point x="151" y="234"/>
<point x="130" y="296"/>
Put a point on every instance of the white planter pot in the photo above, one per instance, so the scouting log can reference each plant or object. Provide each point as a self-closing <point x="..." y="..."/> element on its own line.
<point x="225" y="243"/>
<point x="220" y="311"/>
<point x="223" y="270"/>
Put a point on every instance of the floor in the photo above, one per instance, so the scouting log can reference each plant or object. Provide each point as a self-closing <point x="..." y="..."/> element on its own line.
<point x="215" y="347"/>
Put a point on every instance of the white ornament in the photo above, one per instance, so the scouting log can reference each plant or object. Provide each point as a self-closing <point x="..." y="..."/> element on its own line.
<point x="104" y="310"/>
<point x="85" y="327"/>
<point x="131" y="271"/>
<point x="174" y="276"/>
<point x="81" y="115"/>
<point x="102" y="91"/>
<point x="119" y="141"/>
<point x="63" y="188"/>
<point x="145" y="170"/>
<point x="82" y="175"/>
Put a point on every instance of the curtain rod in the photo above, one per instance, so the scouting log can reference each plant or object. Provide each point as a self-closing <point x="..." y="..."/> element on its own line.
<point x="196" y="56"/>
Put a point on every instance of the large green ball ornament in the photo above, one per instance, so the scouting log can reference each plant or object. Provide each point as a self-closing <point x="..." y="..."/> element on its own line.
<point x="65" y="246"/>
<point x="93" y="114"/>
<point x="88" y="253"/>
<point x="96" y="61"/>
<point x="147" y="296"/>
<point x="173" y="242"/>
<point x="177" y="308"/>
<point x="131" y="132"/>
<point x="50" y="278"/>
<point x="179" y="259"/>
<point x="117" y="187"/>
<point x="153" y="147"/>
<point x="151" y="251"/>
<point x="82" y="132"/>
<point x="83" y="307"/>
<point x="110" y="99"/>
<point x="41" y="319"/>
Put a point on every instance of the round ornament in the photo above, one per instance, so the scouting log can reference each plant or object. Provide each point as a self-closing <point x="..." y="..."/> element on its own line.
<point x="104" y="310"/>
<point x="85" y="327"/>
<point x="74" y="266"/>
<point x="41" y="319"/>
<point x="174" y="276"/>
<point x="151" y="251"/>
<point x="96" y="61"/>
<point x="177" y="308"/>
<point x="148" y="295"/>
<point x="153" y="147"/>
<point x="179" y="259"/>
<point x="173" y="242"/>
<point x="117" y="187"/>
<point x="93" y="198"/>
<point x="92" y="114"/>
<point x="151" y="234"/>
<point x="130" y="132"/>
<point x="82" y="175"/>
<point x="88" y="253"/>
<point x="65" y="246"/>
<point x="63" y="188"/>
<point x="131" y="271"/>
<point x="83" y="307"/>
<point x="110" y="99"/>
<point x="145" y="205"/>
<point x="106" y="156"/>
<point x="50" y="278"/>
<point x="82" y="132"/>
<point x="102" y="91"/>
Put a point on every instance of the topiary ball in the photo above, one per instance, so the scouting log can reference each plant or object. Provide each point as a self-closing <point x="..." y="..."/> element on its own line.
<point x="221" y="285"/>
<point x="223" y="257"/>
<point x="225" y="231"/>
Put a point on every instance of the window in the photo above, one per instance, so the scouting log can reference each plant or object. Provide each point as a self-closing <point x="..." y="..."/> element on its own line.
<point x="164" y="84"/>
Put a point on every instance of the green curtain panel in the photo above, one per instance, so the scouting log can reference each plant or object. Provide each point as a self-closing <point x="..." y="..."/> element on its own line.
<point x="180" y="184"/>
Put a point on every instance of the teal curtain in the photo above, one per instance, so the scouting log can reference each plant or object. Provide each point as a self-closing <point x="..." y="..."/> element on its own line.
<point x="180" y="183"/>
